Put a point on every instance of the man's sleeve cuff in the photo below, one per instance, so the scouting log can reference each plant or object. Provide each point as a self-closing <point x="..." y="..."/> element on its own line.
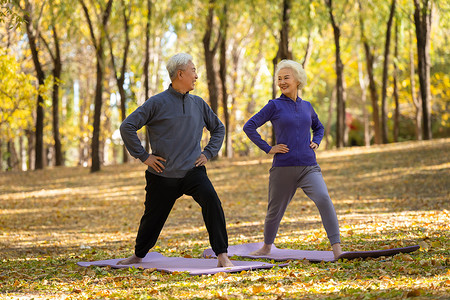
<point x="144" y="157"/>
<point x="207" y="154"/>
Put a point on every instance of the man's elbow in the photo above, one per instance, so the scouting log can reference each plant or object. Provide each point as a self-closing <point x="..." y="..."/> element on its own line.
<point x="220" y="129"/>
<point x="125" y="129"/>
<point x="122" y="128"/>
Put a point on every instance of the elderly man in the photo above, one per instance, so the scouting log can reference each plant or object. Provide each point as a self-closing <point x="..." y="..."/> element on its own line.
<point x="175" y="120"/>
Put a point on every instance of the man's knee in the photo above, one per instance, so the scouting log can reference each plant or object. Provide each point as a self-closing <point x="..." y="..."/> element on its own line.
<point x="207" y="196"/>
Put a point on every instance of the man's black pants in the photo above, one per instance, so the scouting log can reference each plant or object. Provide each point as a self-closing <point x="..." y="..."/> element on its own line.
<point x="161" y="195"/>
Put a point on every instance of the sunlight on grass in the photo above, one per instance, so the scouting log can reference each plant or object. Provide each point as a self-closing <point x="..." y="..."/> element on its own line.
<point x="385" y="196"/>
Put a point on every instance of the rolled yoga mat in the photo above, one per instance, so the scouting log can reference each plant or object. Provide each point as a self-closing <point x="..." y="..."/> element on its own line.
<point x="278" y="254"/>
<point x="194" y="266"/>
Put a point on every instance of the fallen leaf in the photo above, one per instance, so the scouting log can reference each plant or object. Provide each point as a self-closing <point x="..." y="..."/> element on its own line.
<point x="415" y="293"/>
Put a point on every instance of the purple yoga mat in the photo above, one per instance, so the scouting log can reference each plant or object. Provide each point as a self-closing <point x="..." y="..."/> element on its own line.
<point x="314" y="256"/>
<point x="194" y="266"/>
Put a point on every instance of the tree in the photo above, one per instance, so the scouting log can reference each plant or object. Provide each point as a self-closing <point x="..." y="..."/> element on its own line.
<point x="223" y="79"/>
<point x="98" y="41"/>
<point x="422" y="20"/>
<point x="120" y="75"/>
<point x="309" y="45"/>
<point x="16" y="102"/>
<point x="32" y="34"/>
<point x="363" y="85"/>
<point x="146" y="70"/>
<point x="384" y="127"/>
<point x="416" y="98"/>
<point x="340" y="104"/>
<point x="284" y="51"/>
<point x="395" y="83"/>
<point x="369" y="53"/>
<point x="6" y="13"/>
<point x="55" y="55"/>
<point x="210" y="52"/>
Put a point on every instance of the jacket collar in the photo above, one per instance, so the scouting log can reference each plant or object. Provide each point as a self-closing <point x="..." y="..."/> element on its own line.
<point x="286" y="98"/>
<point x="176" y="93"/>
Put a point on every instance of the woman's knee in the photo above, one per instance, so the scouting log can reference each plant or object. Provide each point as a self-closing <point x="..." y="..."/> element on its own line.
<point x="322" y="200"/>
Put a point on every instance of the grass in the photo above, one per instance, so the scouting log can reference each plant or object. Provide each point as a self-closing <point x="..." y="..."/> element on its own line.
<point x="385" y="196"/>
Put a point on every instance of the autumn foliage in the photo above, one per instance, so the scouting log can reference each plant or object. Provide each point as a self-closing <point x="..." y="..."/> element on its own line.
<point x="385" y="196"/>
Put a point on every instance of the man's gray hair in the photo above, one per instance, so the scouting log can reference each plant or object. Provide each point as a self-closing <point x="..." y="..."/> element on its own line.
<point x="299" y="72"/>
<point x="177" y="62"/>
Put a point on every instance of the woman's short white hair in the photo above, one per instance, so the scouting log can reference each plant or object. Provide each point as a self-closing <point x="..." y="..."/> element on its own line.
<point x="177" y="62"/>
<point x="297" y="69"/>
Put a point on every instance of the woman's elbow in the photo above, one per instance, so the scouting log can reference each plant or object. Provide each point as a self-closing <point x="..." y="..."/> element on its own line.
<point x="247" y="128"/>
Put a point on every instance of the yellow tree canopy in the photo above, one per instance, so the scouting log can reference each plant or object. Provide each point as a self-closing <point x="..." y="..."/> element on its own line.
<point x="17" y="94"/>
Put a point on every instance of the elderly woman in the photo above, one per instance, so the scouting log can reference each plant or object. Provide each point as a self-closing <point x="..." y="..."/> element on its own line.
<point x="294" y="163"/>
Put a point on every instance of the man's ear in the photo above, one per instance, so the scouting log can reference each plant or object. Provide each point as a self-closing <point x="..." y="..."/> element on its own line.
<point x="179" y="73"/>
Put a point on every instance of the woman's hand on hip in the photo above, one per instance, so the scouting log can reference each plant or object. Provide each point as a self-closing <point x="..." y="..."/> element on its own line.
<point x="313" y="146"/>
<point x="280" y="148"/>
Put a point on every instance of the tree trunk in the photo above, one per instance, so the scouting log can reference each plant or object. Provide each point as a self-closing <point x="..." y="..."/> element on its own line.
<point x="55" y="111"/>
<point x="209" y="57"/>
<point x="55" y="97"/>
<point x="30" y="148"/>
<point x="57" y="70"/>
<point x="395" y="75"/>
<point x="384" y="112"/>
<point x="309" y="46"/>
<point x="95" y="146"/>
<point x="120" y="79"/>
<point x="100" y="56"/>
<point x="422" y="20"/>
<point x="415" y="98"/>
<point x="146" y="71"/>
<point x="39" y="133"/>
<point x="284" y="51"/>
<point x="329" y="119"/>
<point x="82" y="156"/>
<point x="340" y="105"/>
<point x="223" y="79"/>
<point x="283" y="46"/>
<point x="21" y="154"/>
<point x="308" y="51"/>
<point x="13" y="161"/>
<point x="365" y="116"/>
<point x="372" y="83"/>
<point x="274" y="93"/>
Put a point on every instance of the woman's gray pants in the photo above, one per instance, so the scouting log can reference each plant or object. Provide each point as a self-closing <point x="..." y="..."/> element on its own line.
<point x="283" y="183"/>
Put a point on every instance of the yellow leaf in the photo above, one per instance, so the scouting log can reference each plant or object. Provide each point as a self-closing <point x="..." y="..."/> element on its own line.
<point x="423" y="245"/>
<point x="258" y="289"/>
<point x="436" y="244"/>
<point x="221" y="274"/>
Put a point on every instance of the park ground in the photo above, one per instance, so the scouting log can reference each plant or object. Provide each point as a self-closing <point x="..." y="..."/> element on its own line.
<point x="385" y="196"/>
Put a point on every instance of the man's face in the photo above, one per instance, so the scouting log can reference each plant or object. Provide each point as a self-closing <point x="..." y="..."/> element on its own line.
<point x="189" y="76"/>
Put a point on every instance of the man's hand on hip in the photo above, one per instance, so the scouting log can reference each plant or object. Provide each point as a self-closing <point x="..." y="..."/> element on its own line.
<point x="154" y="162"/>
<point x="201" y="160"/>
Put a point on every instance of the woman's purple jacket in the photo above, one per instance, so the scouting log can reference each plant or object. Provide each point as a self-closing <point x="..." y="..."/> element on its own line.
<point x="292" y="122"/>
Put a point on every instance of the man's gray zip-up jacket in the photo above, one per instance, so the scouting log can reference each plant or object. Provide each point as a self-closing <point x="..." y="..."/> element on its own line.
<point x="175" y="125"/>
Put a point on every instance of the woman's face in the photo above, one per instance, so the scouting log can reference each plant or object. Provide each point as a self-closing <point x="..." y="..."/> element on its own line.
<point x="287" y="82"/>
